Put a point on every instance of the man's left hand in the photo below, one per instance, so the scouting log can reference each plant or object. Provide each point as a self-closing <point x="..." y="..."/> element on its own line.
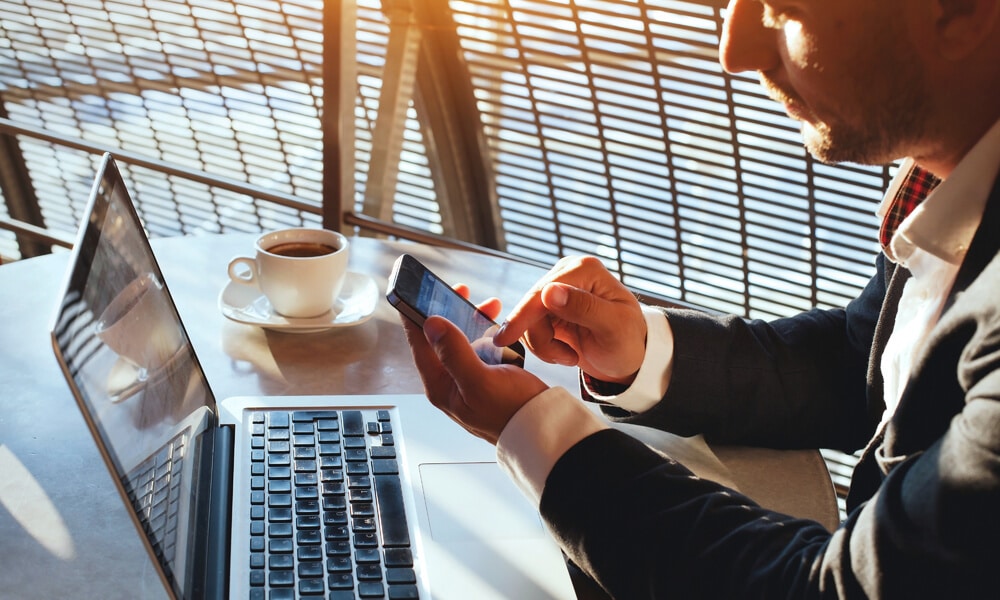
<point x="481" y="398"/>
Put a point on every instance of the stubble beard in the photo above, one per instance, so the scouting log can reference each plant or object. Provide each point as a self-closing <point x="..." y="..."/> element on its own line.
<point x="882" y="115"/>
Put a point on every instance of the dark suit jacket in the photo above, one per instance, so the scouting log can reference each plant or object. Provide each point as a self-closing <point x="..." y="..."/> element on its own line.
<point x="924" y="505"/>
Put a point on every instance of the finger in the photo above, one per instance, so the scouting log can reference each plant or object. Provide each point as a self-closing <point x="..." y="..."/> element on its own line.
<point x="455" y="355"/>
<point x="526" y="313"/>
<point x="581" y="308"/>
<point x="530" y="310"/>
<point x="423" y="356"/>
<point x="491" y="307"/>
<point x="549" y="349"/>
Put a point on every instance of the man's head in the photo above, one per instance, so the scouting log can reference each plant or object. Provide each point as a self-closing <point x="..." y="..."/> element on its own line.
<point x="875" y="80"/>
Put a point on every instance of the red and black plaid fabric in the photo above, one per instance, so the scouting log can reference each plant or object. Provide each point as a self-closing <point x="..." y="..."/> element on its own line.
<point x="915" y="189"/>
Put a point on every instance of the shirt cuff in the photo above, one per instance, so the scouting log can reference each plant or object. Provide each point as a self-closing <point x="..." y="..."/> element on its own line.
<point x="653" y="378"/>
<point x="539" y="433"/>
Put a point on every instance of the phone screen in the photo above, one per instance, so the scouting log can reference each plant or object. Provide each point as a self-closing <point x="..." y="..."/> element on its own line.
<point x="418" y="293"/>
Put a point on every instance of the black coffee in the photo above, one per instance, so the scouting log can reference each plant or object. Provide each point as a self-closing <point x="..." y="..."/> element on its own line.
<point x="302" y="249"/>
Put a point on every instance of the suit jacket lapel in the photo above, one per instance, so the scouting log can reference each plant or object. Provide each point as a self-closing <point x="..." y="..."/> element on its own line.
<point x="984" y="247"/>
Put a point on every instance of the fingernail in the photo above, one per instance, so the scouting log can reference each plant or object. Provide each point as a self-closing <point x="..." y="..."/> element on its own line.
<point x="501" y="329"/>
<point x="558" y="296"/>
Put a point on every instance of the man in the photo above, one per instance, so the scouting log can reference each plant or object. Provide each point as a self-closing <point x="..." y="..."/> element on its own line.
<point x="910" y="369"/>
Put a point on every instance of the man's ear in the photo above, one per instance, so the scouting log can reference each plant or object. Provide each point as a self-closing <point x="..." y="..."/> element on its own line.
<point x="961" y="26"/>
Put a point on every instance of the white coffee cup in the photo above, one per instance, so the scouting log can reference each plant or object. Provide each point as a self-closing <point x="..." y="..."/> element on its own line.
<point x="300" y="270"/>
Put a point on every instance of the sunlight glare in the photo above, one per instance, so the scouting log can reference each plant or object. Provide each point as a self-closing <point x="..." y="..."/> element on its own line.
<point x="31" y="507"/>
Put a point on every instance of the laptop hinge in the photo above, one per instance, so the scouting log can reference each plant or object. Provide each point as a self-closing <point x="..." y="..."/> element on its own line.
<point x="216" y="575"/>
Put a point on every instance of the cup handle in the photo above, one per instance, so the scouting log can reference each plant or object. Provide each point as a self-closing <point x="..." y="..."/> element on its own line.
<point x="244" y="276"/>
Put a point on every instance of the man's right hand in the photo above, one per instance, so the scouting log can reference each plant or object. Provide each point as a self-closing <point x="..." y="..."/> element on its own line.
<point x="579" y="314"/>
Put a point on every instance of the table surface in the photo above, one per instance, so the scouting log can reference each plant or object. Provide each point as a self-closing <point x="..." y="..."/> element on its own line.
<point x="63" y="528"/>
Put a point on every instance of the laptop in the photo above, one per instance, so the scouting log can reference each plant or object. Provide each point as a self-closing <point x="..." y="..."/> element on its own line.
<point x="340" y="496"/>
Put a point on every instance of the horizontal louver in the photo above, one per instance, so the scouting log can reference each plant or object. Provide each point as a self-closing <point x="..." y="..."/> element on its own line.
<point x="613" y="131"/>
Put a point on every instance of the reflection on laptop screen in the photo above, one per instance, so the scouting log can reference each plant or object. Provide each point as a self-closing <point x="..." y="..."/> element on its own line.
<point x="135" y="376"/>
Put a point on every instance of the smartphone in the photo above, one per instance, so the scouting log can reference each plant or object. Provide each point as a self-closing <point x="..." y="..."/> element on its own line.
<point x="418" y="293"/>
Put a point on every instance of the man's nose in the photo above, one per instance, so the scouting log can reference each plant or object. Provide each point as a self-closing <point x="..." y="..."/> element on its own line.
<point x="747" y="45"/>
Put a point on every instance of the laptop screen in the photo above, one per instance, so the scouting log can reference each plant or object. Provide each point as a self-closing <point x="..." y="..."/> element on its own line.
<point x="128" y="359"/>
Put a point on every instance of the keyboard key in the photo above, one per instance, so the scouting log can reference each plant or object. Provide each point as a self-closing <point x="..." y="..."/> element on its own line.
<point x="311" y="587"/>
<point x="383" y="452"/>
<point x="355" y="442"/>
<point x="391" y="514"/>
<point x="329" y="449"/>
<point x="341" y="581"/>
<point x="308" y="492"/>
<point x="257" y="577"/>
<point x="279" y="500"/>
<point x="305" y="479"/>
<point x="338" y="548"/>
<point x="385" y="466"/>
<point x="279" y="486"/>
<point x="400" y="575"/>
<point x="281" y="578"/>
<point x="307" y="522"/>
<point x="310" y="553"/>
<point x="303" y="428"/>
<point x="327" y="425"/>
<point x="398" y="557"/>
<point x="353" y="423"/>
<point x="279" y="515"/>
<point x="331" y="461"/>
<point x="281" y="562"/>
<point x="403" y="592"/>
<point x="371" y="589"/>
<point x="369" y="572"/>
<point x="277" y="419"/>
<point x="338" y="564"/>
<point x="279" y="473"/>
<point x="309" y="538"/>
<point x="359" y="495"/>
<point x="366" y="555"/>
<point x="304" y="452"/>
<point x="304" y="440"/>
<point x="328" y="437"/>
<point x="335" y="517"/>
<point x="310" y="569"/>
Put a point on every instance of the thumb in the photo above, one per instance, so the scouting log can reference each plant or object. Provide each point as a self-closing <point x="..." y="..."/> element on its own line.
<point x="451" y="347"/>
<point x="576" y="306"/>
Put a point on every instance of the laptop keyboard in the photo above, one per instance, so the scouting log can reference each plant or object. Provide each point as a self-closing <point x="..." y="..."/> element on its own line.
<point x="326" y="507"/>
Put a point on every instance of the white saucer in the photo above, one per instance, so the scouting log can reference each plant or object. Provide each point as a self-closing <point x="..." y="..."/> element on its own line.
<point x="356" y="304"/>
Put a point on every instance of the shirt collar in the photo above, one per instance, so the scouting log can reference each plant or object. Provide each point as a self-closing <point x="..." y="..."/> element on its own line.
<point x="923" y="212"/>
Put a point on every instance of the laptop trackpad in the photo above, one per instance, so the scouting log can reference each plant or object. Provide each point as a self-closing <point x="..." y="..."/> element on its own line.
<point x="476" y="501"/>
